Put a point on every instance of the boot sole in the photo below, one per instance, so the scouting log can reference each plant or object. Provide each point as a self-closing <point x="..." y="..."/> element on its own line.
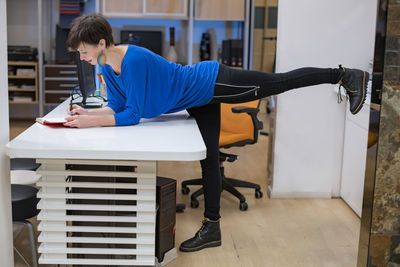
<point x="205" y="245"/>
<point x="364" y="90"/>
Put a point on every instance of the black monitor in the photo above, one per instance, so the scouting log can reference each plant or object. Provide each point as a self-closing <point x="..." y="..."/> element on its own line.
<point x="151" y="40"/>
<point x="87" y="83"/>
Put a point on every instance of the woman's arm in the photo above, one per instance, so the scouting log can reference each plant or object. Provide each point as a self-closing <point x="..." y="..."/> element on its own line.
<point x="85" y="121"/>
<point x="83" y="118"/>
<point x="78" y="110"/>
<point x="101" y="111"/>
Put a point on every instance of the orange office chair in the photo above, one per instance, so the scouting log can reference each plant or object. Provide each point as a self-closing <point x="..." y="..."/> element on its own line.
<point x="239" y="127"/>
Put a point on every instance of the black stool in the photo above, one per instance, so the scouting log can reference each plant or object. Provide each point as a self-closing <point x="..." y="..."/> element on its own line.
<point x="24" y="164"/>
<point x="24" y="203"/>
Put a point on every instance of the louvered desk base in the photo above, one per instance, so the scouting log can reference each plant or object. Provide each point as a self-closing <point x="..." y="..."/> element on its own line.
<point x="97" y="212"/>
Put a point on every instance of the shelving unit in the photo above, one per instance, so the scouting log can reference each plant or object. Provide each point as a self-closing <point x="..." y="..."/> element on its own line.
<point x="22" y="88"/>
<point x="225" y="10"/>
<point x="150" y="9"/>
<point x="59" y="81"/>
<point x="27" y="28"/>
<point x="230" y="10"/>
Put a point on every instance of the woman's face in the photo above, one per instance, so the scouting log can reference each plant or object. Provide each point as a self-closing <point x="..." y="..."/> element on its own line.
<point x="89" y="52"/>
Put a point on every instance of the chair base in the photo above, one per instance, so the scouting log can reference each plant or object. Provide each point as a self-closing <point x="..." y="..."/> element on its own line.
<point x="228" y="184"/>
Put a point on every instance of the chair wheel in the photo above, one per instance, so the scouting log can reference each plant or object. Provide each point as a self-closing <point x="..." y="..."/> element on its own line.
<point x="259" y="194"/>
<point x="185" y="190"/>
<point x="180" y="207"/>
<point x="194" y="203"/>
<point x="243" y="206"/>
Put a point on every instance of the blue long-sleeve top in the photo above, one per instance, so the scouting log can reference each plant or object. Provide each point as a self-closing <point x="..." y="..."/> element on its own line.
<point x="149" y="85"/>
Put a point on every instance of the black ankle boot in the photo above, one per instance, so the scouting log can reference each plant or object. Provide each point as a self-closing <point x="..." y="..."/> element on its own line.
<point x="355" y="82"/>
<point x="209" y="235"/>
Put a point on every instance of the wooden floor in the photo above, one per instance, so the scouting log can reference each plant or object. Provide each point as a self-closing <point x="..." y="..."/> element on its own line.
<point x="272" y="232"/>
<point x="17" y="126"/>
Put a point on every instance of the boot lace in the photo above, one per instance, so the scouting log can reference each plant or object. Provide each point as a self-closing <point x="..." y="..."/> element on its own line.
<point x="203" y="225"/>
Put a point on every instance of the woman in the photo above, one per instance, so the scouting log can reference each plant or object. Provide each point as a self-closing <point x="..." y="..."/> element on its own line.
<point x="141" y="84"/>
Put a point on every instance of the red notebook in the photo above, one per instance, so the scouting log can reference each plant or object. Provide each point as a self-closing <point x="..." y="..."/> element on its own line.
<point x="52" y="122"/>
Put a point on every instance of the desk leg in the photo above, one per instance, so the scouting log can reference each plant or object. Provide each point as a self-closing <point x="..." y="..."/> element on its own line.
<point x="97" y="212"/>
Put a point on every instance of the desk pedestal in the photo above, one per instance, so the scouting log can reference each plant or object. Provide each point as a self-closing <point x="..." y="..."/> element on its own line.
<point x="97" y="212"/>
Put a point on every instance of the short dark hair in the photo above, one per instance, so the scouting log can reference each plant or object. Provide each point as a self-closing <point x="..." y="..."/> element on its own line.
<point x="89" y="29"/>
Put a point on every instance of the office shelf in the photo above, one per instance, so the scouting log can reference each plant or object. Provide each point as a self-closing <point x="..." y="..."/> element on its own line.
<point x="21" y="77"/>
<point x="17" y="93"/>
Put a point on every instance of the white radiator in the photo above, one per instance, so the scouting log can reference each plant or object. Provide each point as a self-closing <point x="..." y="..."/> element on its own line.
<point x="97" y="212"/>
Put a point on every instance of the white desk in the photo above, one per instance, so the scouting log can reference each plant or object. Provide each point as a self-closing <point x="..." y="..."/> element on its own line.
<point x="167" y="137"/>
<point x="133" y="148"/>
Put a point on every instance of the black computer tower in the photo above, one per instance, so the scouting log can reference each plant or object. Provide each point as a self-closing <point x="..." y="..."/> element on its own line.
<point x="226" y="52"/>
<point x="237" y="53"/>
<point x="232" y="52"/>
<point x="165" y="221"/>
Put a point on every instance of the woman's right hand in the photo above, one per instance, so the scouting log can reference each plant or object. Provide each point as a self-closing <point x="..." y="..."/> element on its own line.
<point x="77" y="110"/>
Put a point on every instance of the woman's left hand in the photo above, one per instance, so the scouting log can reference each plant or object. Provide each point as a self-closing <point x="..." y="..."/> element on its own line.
<point x="79" y="121"/>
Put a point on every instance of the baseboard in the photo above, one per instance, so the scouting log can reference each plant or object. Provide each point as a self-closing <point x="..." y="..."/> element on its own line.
<point x="273" y="194"/>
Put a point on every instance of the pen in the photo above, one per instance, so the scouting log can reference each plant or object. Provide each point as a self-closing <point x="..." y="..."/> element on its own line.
<point x="70" y="107"/>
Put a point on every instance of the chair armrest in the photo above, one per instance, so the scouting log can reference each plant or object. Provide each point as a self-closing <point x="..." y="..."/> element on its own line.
<point x="243" y="109"/>
<point x="258" y="125"/>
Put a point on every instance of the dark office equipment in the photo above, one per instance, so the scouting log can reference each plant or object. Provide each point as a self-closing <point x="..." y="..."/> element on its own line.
<point x="87" y="84"/>
<point x="172" y="36"/>
<point x="165" y="221"/>
<point x="236" y="130"/>
<point x="22" y="53"/>
<point x="205" y="51"/>
<point x="226" y="52"/>
<point x="237" y="53"/>
<point x="62" y="53"/>
<point x="151" y="40"/>
<point x="232" y="52"/>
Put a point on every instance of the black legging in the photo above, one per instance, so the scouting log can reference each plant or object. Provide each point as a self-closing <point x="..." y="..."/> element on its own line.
<point x="238" y="86"/>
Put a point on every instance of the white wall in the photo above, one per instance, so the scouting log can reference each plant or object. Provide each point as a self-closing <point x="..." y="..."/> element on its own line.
<point x="309" y="122"/>
<point x="22" y="19"/>
<point x="6" y="250"/>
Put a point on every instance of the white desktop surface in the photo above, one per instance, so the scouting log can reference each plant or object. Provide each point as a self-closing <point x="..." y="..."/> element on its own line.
<point x="174" y="137"/>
